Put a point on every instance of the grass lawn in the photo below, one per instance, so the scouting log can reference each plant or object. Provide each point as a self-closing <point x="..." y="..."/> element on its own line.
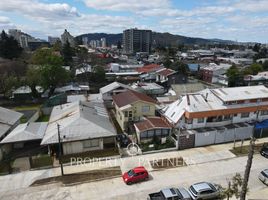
<point x="43" y="118"/>
<point x="41" y="161"/>
<point x="241" y="151"/>
<point x="23" y="119"/>
<point x="156" y="146"/>
<point x="83" y="177"/>
<point x="28" y="107"/>
<point x="91" y="154"/>
<point x="167" y="163"/>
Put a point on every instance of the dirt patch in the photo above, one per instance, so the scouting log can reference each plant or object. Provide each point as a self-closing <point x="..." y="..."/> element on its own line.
<point x="243" y="150"/>
<point x="167" y="163"/>
<point x="83" y="177"/>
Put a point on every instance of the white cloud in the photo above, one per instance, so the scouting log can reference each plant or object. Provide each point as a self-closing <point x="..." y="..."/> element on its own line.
<point x="127" y="5"/>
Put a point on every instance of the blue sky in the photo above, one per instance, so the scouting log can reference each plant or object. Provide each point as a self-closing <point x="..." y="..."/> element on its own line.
<point x="241" y="20"/>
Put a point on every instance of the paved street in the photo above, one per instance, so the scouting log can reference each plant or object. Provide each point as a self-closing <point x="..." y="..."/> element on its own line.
<point x="217" y="172"/>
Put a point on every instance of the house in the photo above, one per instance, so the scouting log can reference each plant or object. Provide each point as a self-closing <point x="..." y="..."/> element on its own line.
<point x="260" y="79"/>
<point x="131" y="106"/>
<point x="26" y="135"/>
<point x="149" y="88"/>
<point x="25" y="92"/>
<point x="72" y="88"/>
<point x="9" y="119"/>
<point x="148" y="72"/>
<point x="152" y="127"/>
<point x="212" y="72"/>
<point x="219" y="115"/>
<point x="114" y="88"/>
<point x="167" y="77"/>
<point x="82" y="127"/>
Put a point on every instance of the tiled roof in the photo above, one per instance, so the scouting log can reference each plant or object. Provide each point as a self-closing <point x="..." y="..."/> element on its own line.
<point x="151" y="123"/>
<point x="130" y="97"/>
<point x="165" y="72"/>
<point x="149" y="68"/>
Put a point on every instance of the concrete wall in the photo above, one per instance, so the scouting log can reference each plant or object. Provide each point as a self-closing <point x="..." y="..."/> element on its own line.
<point x="78" y="147"/>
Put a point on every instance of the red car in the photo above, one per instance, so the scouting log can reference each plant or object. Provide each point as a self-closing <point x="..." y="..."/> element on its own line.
<point x="135" y="175"/>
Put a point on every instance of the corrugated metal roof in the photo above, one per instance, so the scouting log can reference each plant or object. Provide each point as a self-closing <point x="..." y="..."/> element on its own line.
<point x="78" y="121"/>
<point x="26" y="132"/>
<point x="113" y="86"/>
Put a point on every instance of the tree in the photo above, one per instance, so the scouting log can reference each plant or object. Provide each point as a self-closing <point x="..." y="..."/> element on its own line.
<point x="247" y="170"/>
<point x="256" y="68"/>
<point x="7" y="83"/>
<point x="235" y="77"/>
<point x="98" y="75"/>
<point x="265" y="65"/>
<point x="233" y="189"/>
<point x="51" y="70"/>
<point x="53" y="76"/>
<point x="67" y="53"/>
<point x="9" y="47"/>
<point x="180" y="67"/>
<point x="33" y="79"/>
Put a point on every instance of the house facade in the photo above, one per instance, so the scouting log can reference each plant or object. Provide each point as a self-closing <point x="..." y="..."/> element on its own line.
<point x="82" y="127"/>
<point x="219" y="111"/>
<point x="131" y="106"/>
<point x="150" y="128"/>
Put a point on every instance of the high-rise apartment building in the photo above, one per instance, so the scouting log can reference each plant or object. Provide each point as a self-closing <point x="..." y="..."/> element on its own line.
<point x="135" y="40"/>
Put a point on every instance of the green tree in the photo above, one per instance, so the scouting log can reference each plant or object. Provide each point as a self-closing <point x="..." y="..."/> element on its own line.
<point x="98" y="75"/>
<point x="51" y="70"/>
<point x="57" y="46"/>
<point x="7" y="83"/>
<point x="265" y="65"/>
<point x="180" y="67"/>
<point x="234" y="187"/>
<point x="67" y="53"/>
<point x="33" y="79"/>
<point x="9" y="47"/>
<point x="235" y="77"/>
<point x="256" y="68"/>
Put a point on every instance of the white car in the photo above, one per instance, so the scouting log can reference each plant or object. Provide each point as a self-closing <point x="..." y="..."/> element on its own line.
<point x="264" y="176"/>
<point x="203" y="190"/>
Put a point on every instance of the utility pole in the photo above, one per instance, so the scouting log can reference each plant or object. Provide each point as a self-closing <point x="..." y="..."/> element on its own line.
<point x="60" y="153"/>
<point x="247" y="170"/>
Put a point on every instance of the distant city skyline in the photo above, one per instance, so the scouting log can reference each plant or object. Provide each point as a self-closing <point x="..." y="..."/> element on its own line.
<point x="241" y="20"/>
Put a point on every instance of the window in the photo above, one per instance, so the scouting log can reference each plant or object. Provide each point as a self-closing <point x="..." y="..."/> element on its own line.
<point x="200" y="120"/>
<point x="143" y="134"/>
<point x="145" y="109"/>
<point x="158" y="132"/>
<point x="150" y="133"/>
<point x="126" y="113"/>
<point x="165" y="132"/>
<point x="189" y="121"/>
<point x="90" y="143"/>
<point x="244" y="115"/>
<point x="264" y="112"/>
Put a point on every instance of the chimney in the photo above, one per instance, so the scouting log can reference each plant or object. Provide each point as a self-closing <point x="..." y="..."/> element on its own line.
<point x="188" y="99"/>
<point x="206" y="99"/>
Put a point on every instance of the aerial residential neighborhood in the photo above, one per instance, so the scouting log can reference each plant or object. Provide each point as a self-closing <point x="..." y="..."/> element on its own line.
<point x="116" y="100"/>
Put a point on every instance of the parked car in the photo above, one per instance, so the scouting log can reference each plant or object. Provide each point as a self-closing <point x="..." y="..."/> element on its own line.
<point x="170" y="194"/>
<point x="264" y="151"/>
<point x="135" y="175"/>
<point x="123" y="140"/>
<point x="203" y="190"/>
<point x="263" y="176"/>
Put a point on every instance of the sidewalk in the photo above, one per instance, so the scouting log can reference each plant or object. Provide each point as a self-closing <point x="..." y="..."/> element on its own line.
<point x="191" y="156"/>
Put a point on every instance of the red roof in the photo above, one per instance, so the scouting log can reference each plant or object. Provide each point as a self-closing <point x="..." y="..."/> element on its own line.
<point x="130" y="97"/>
<point x="148" y="68"/>
<point x="165" y="72"/>
<point x="151" y="123"/>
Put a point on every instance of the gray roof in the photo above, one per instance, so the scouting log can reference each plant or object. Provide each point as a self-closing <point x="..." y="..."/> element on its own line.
<point x="26" y="132"/>
<point x="113" y="86"/>
<point x="7" y="119"/>
<point x="78" y="121"/>
<point x="189" y="88"/>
